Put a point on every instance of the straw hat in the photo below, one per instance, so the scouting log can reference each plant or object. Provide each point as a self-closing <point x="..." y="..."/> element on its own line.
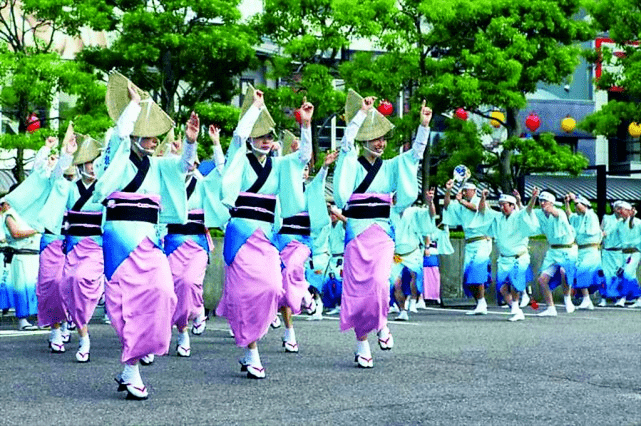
<point x="152" y="121"/>
<point x="287" y="139"/>
<point x="374" y="126"/>
<point x="70" y="171"/>
<point x="164" y="148"/>
<point x="88" y="149"/>
<point x="265" y="123"/>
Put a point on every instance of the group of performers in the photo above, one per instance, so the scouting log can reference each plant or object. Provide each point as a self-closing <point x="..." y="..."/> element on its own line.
<point x="121" y="222"/>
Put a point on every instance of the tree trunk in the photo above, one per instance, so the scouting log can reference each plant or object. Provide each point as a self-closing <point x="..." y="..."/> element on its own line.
<point x="507" y="180"/>
<point x="18" y="169"/>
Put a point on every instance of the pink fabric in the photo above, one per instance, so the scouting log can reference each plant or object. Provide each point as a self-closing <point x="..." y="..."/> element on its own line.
<point x="368" y="263"/>
<point x="134" y="196"/>
<point x="362" y="196"/>
<point x="50" y="306"/>
<point x="83" y="280"/>
<point x="431" y="283"/>
<point x="295" y="285"/>
<point x="141" y="301"/>
<point x="253" y="287"/>
<point x="188" y="264"/>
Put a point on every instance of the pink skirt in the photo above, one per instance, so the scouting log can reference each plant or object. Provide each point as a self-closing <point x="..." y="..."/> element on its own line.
<point x="50" y="304"/>
<point x="188" y="264"/>
<point x="295" y="285"/>
<point x="366" y="291"/>
<point x="83" y="280"/>
<point x="253" y="288"/>
<point x="140" y="302"/>
<point x="431" y="283"/>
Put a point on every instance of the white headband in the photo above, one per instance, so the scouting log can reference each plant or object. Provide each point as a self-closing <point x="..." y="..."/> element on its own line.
<point x="546" y="196"/>
<point x="582" y="200"/>
<point x="625" y="205"/>
<point x="468" y="185"/>
<point x="505" y="198"/>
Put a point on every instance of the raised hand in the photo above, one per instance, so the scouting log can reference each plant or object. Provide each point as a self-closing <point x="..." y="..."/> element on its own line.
<point x="535" y="192"/>
<point x="449" y="185"/>
<point x="330" y="158"/>
<point x="259" y="99"/>
<point x="306" y="113"/>
<point x="368" y="103"/>
<point x="426" y="115"/>
<point x="214" y="134"/>
<point x="193" y="128"/>
<point x="71" y="146"/>
<point x="51" y="142"/>
<point x="429" y="195"/>
<point x="133" y="93"/>
<point x="516" y="195"/>
<point x="485" y="193"/>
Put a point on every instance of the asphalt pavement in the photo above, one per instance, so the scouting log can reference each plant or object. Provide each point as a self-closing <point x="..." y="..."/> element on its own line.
<point x="446" y="369"/>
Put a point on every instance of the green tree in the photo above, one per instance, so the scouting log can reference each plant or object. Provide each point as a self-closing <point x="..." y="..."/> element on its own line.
<point x="480" y="55"/>
<point x="186" y="54"/>
<point x="32" y="72"/>
<point x="621" y="21"/>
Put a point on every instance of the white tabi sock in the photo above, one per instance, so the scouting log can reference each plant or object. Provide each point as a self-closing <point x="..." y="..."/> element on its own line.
<point x="252" y="357"/>
<point x="362" y="348"/>
<point x="131" y="375"/>
<point x="55" y="335"/>
<point x="481" y="303"/>
<point x="183" y="339"/>
<point x="290" y="335"/>
<point x="63" y="327"/>
<point x="383" y="333"/>
<point x="85" y="344"/>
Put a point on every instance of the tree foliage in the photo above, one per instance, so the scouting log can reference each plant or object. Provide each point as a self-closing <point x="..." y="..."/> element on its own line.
<point x="32" y="71"/>
<point x="184" y="53"/>
<point x="621" y="20"/>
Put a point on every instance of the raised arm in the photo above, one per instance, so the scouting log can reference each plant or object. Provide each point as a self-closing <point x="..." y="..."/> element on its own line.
<point x="429" y="199"/>
<point x="532" y="202"/>
<point x="305" y="146"/>
<point x="347" y="143"/>
<point x="448" y="193"/>
<point x="482" y="203"/>
<point x="519" y="202"/>
<point x="191" y="136"/>
<point x="219" y="156"/>
<point x="246" y="124"/>
<point x="66" y="157"/>
<point x="566" y="201"/>
<point x="420" y="141"/>
<point x="40" y="162"/>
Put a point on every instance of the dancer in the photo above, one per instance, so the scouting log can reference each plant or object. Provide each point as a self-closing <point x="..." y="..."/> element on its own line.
<point x="511" y="229"/>
<point x="187" y="247"/>
<point x="83" y="275"/>
<point x="559" y="263"/>
<point x="630" y="231"/>
<point x="295" y="244"/>
<point x="251" y="184"/>
<point x="478" y="245"/>
<point x="589" y="275"/>
<point x="410" y="226"/>
<point x="333" y="276"/>
<point x="611" y="255"/>
<point x="139" y="290"/>
<point x="363" y="187"/>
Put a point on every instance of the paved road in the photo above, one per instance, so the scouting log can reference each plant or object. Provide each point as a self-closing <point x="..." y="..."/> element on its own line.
<point x="446" y="369"/>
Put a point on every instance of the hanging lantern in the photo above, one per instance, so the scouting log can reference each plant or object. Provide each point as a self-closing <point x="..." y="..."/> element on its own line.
<point x="532" y="122"/>
<point x="634" y="129"/>
<point x="498" y="118"/>
<point x="386" y="108"/>
<point x="297" y="116"/>
<point x="33" y="123"/>
<point x="568" y="124"/>
<point x="461" y="113"/>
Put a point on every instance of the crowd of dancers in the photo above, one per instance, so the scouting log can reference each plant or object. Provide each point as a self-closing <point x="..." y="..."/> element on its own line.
<point x="129" y="222"/>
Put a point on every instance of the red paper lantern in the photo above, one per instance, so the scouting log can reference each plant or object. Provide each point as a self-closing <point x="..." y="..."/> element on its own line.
<point x="297" y="116"/>
<point x="461" y="113"/>
<point x="386" y="108"/>
<point x="532" y="122"/>
<point x="33" y="123"/>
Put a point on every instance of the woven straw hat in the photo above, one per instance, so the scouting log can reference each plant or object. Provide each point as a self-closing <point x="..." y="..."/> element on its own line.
<point x="265" y="123"/>
<point x="152" y="121"/>
<point x="70" y="171"/>
<point x="88" y="149"/>
<point x="164" y="147"/>
<point x="374" y="126"/>
<point x="287" y="139"/>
